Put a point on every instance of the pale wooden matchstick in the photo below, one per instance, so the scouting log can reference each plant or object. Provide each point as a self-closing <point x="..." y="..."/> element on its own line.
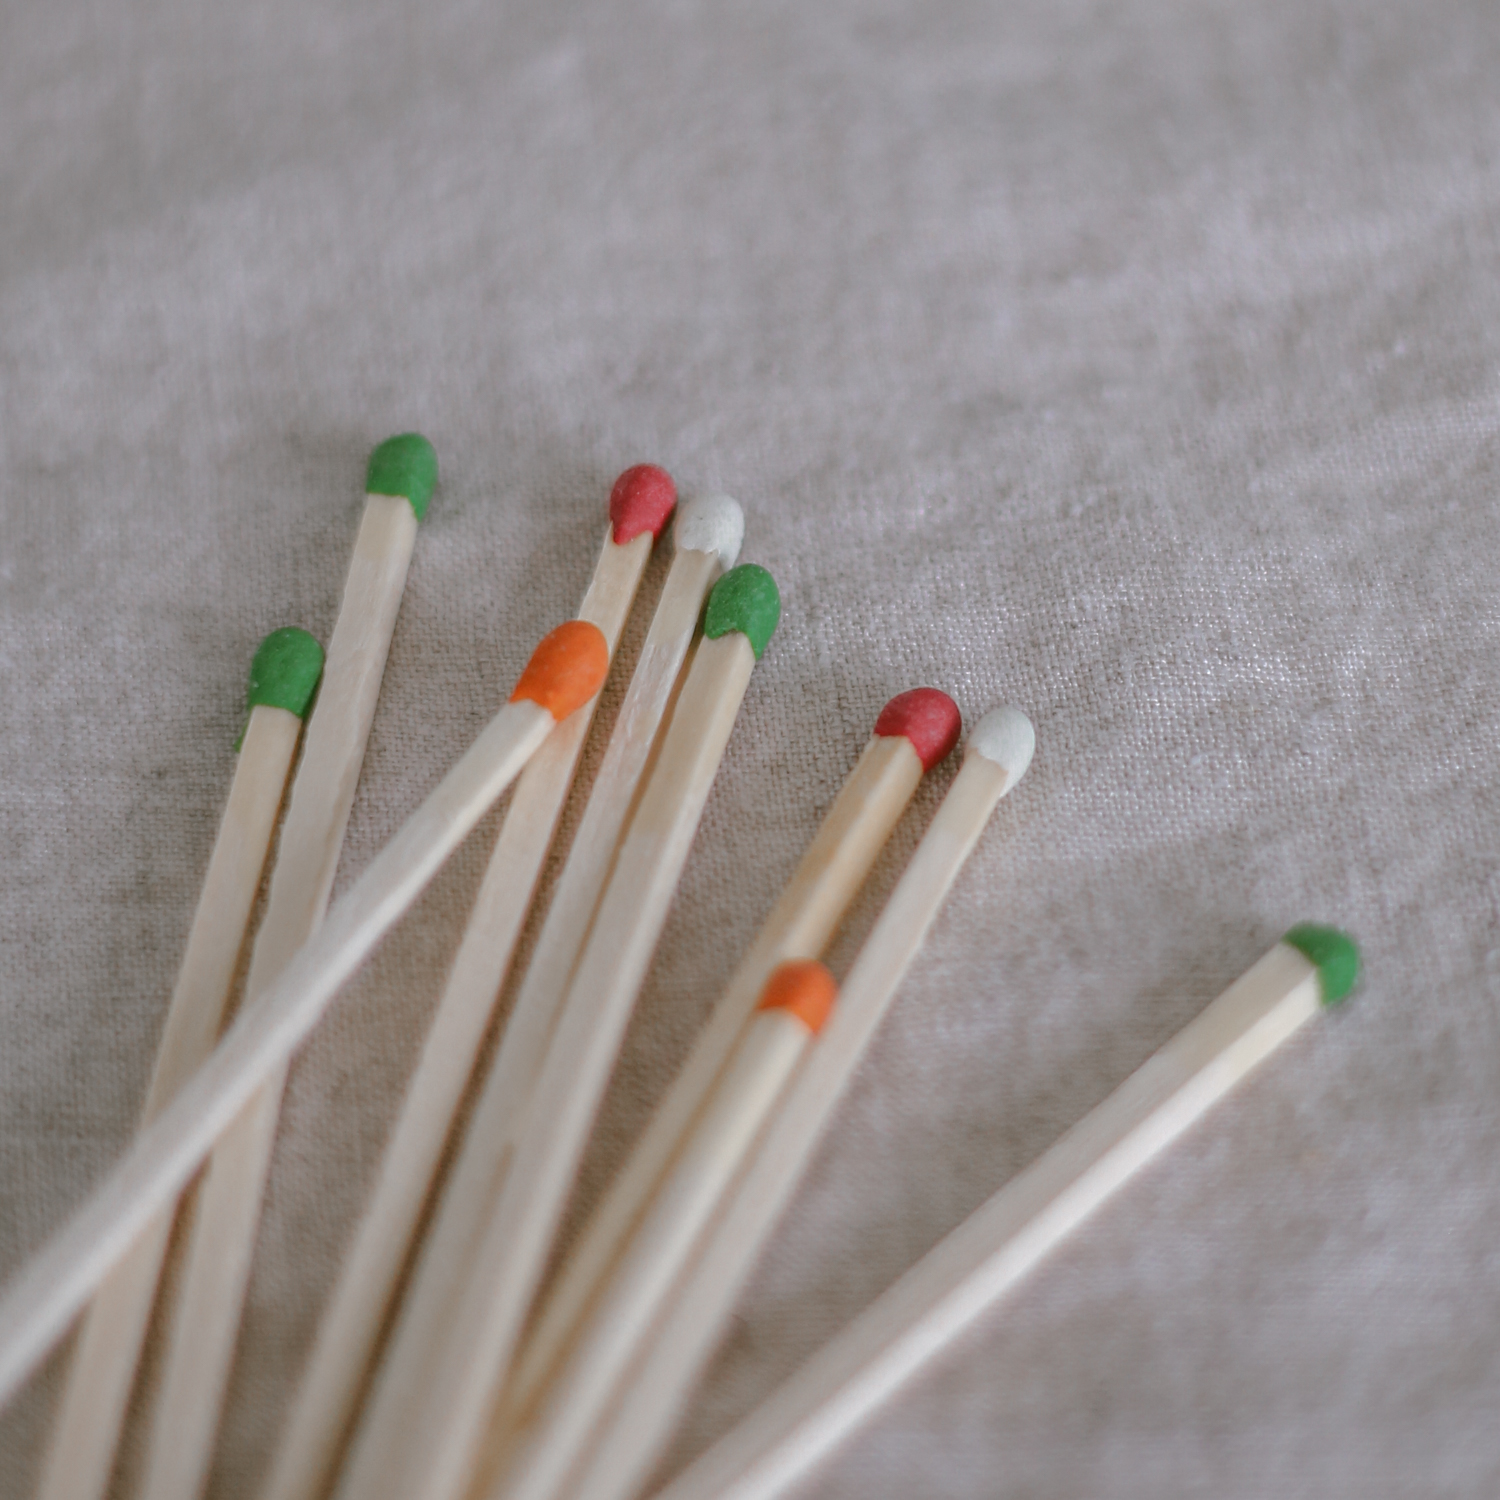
<point x="564" y="672"/>
<point x="793" y="1007"/>
<point x="203" y="1315"/>
<point x="641" y="503"/>
<point x="952" y="1286"/>
<point x="283" y="678"/>
<point x="623" y="1449"/>
<point x="419" y="1441"/>
<point x="914" y="731"/>
<point x="707" y="537"/>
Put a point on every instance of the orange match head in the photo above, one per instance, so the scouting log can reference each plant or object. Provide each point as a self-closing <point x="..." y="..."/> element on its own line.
<point x="567" y="668"/>
<point x="803" y="987"/>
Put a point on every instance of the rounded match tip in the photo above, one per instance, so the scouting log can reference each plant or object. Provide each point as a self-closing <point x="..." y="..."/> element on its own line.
<point x="805" y="988"/>
<point x="1005" y="736"/>
<point x="405" y="465"/>
<point x="285" y="671"/>
<point x="642" y="500"/>
<point x="747" y="600"/>
<point x="928" y="718"/>
<point x="711" y="523"/>
<point x="567" y="668"/>
<point x="1334" y="954"/>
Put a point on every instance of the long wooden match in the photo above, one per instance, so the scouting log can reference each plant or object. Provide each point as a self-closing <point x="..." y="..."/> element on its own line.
<point x="707" y="537"/>
<point x="913" y="732"/>
<point x="622" y="1451"/>
<point x="283" y="678"/>
<point x="793" y="1008"/>
<point x="956" y="1283"/>
<point x="419" y="1440"/>
<point x="641" y="503"/>
<point x="209" y="1294"/>
<point x="564" y="672"/>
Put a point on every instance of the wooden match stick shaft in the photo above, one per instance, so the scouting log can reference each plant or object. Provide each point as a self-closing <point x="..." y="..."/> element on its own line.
<point x="649" y="1264"/>
<point x="800" y="925"/>
<point x="634" y="1436"/>
<point x="329" y="1389"/>
<point x="82" y="1450"/>
<point x="476" y="1178"/>
<point x="204" y="1317"/>
<point x="51" y="1288"/>
<point x="229" y="890"/>
<point x="842" y="1385"/>
<point x="421" y="1443"/>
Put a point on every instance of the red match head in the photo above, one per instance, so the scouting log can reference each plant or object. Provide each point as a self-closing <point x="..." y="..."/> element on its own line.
<point x="642" y="500"/>
<point x="925" y="716"/>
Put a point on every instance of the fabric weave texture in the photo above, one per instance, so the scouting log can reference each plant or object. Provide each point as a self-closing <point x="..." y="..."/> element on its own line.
<point x="1137" y="364"/>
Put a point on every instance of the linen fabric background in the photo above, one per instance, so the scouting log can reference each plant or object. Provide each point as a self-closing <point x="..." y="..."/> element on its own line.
<point x="1137" y="363"/>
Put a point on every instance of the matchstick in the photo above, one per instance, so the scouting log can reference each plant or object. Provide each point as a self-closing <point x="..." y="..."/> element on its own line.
<point x="708" y="533"/>
<point x="640" y="505"/>
<point x="283" y="677"/>
<point x="419" y="1441"/>
<point x="564" y="672"/>
<point x="631" y="1440"/>
<point x="203" y="1316"/>
<point x="956" y="1283"/>
<point x="793" y="1007"/>
<point x="914" y="731"/>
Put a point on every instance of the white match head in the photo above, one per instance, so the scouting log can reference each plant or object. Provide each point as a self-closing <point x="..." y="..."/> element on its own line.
<point x="1005" y="736"/>
<point x="711" y="523"/>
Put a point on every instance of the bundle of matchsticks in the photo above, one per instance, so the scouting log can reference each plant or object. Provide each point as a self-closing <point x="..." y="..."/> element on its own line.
<point x="443" y="1367"/>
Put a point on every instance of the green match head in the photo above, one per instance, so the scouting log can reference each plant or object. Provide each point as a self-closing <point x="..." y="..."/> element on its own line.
<point x="744" y="599"/>
<point x="1334" y="954"/>
<point x="285" y="671"/>
<point x="406" y="466"/>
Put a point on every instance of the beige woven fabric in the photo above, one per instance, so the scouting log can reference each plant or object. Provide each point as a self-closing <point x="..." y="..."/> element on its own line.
<point x="1136" y="363"/>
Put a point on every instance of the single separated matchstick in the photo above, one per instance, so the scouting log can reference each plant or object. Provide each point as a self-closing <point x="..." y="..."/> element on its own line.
<point x="707" y="538"/>
<point x="914" y="731"/>
<point x="640" y="505"/>
<point x="565" y="671"/>
<point x="953" y="1285"/>
<point x="203" y="1317"/>
<point x="793" y="1007"/>
<point x="631" y="1440"/>
<point x="283" y="677"/>
<point x="419" y="1441"/>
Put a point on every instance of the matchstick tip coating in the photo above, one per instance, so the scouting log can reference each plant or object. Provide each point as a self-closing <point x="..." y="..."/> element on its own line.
<point x="405" y="465"/>
<point x="567" y="668"/>
<point x="285" y="671"/>
<point x="928" y="718"/>
<point x="746" y="600"/>
<point x="803" y="987"/>
<point x="1333" y="953"/>
<point x="642" y="499"/>
<point x="711" y="523"/>
<point x="1005" y="736"/>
